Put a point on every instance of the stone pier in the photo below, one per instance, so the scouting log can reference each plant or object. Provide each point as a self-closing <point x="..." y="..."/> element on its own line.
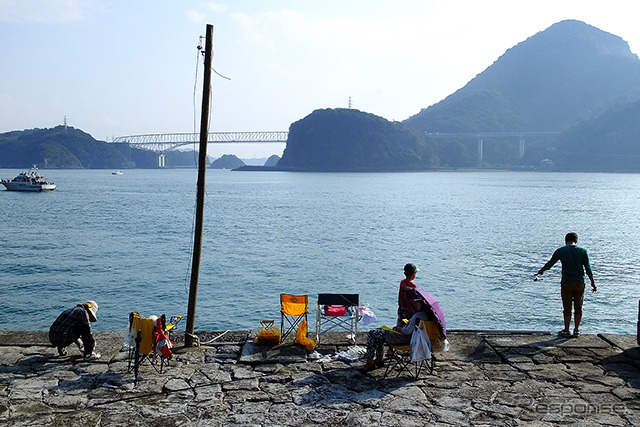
<point x="487" y="378"/>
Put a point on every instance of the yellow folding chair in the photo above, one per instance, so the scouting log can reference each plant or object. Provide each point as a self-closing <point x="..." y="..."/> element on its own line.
<point x="293" y="310"/>
<point x="149" y="339"/>
<point x="399" y="360"/>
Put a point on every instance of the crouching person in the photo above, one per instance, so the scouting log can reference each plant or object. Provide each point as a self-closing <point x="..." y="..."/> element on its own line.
<point x="74" y="326"/>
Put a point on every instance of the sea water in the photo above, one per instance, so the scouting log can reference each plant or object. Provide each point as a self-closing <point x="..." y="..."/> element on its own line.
<point x="478" y="238"/>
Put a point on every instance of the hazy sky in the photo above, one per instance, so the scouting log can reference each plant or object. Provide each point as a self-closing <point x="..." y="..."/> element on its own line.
<point x="127" y="67"/>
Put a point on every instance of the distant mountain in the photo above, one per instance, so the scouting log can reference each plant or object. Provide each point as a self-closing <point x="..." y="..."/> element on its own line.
<point x="272" y="161"/>
<point x="351" y="140"/>
<point x="565" y="74"/>
<point x="227" y="161"/>
<point x="571" y="78"/>
<point x="65" y="147"/>
<point x="569" y="73"/>
<point x="611" y="142"/>
<point x="59" y="147"/>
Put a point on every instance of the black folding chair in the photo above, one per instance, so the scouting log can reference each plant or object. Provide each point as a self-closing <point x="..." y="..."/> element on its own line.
<point x="337" y="311"/>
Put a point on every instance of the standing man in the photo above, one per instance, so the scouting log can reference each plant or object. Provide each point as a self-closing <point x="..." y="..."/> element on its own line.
<point x="575" y="262"/>
<point x="74" y="326"/>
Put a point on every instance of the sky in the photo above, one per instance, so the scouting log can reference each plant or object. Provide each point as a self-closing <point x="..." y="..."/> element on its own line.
<point x="129" y="67"/>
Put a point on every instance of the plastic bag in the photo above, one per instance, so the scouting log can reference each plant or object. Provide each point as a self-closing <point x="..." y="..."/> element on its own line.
<point x="268" y="335"/>
<point x="367" y="315"/>
<point x="301" y="337"/>
<point x="164" y="346"/>
<point x="420" y="345"/>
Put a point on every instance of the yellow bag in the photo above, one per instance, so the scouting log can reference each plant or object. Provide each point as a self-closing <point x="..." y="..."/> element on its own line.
<point x="301" y="337"/>
<point x="269" y="334"/>
<point x="434" y="335"/>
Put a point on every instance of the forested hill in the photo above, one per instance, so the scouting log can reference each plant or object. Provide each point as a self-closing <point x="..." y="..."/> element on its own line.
<point x="351" y="140"/>
<point x="609" y="143"/>
<point x="569" y="72"/>
<point x="66" y="147"/>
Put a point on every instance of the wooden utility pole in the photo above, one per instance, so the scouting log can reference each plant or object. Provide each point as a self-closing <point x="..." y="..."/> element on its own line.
<point x="190" y="338"/>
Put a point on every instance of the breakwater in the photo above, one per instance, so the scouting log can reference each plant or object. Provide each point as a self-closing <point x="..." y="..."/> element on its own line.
<point x="487" y="378"/>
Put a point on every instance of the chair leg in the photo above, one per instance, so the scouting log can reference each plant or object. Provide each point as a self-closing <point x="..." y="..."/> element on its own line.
<point x="391" y="364"/>
<point x="396" y="363"/>
<point x="318" y="320"/>
<point x="430" y="364"/>
<point x="400" y="362"/>
<point x="293" y="323"/>
<point x="136" y="359"/>
<point x="355" y="329"/>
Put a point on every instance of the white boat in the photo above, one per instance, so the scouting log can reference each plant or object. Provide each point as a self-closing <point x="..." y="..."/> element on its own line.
<point x="116" y="173"/>
<point x="28" y="181"/>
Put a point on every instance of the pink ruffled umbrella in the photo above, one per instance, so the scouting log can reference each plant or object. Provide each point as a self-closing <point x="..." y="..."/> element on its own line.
<point x="436" y="309"/>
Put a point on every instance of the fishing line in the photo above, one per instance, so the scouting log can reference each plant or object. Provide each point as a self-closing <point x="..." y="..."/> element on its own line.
<point x="200" y="53"/>
<point x="187" y="276"/>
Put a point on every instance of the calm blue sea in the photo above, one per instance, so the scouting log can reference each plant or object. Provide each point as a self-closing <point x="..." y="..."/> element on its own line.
<point x="477" y="237"/>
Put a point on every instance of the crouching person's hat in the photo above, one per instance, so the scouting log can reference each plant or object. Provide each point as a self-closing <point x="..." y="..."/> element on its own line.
<point x="92" y="309"/>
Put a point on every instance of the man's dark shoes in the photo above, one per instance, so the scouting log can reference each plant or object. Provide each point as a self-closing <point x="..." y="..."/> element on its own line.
<point x="564" y="333"/>
<point x="62" y="351"/>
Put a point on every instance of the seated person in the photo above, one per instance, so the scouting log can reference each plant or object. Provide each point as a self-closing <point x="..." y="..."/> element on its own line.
<point x="73" y="325"/>
<point x="376" y="338"/>
<point x="409" y="300"/>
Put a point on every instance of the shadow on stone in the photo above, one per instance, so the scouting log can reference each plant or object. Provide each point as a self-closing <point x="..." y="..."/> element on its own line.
<point x="253" y="353"/>
<point x="625" y="365"/>
<point x="342" y="386"/>
<point x="523" y="351"/>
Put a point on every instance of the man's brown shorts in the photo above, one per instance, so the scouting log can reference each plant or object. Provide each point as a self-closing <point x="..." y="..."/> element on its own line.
<point x="572" y="293"/>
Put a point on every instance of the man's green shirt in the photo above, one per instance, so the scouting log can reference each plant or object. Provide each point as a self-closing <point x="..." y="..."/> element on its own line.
<point x="575" y="261"/>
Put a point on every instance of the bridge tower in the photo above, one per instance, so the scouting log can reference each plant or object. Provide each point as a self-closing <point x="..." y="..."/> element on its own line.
<point x="481" y="147"/>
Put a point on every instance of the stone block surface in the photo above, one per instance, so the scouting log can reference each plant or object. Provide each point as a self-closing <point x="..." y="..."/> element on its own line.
<point x="486" y="378"/>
